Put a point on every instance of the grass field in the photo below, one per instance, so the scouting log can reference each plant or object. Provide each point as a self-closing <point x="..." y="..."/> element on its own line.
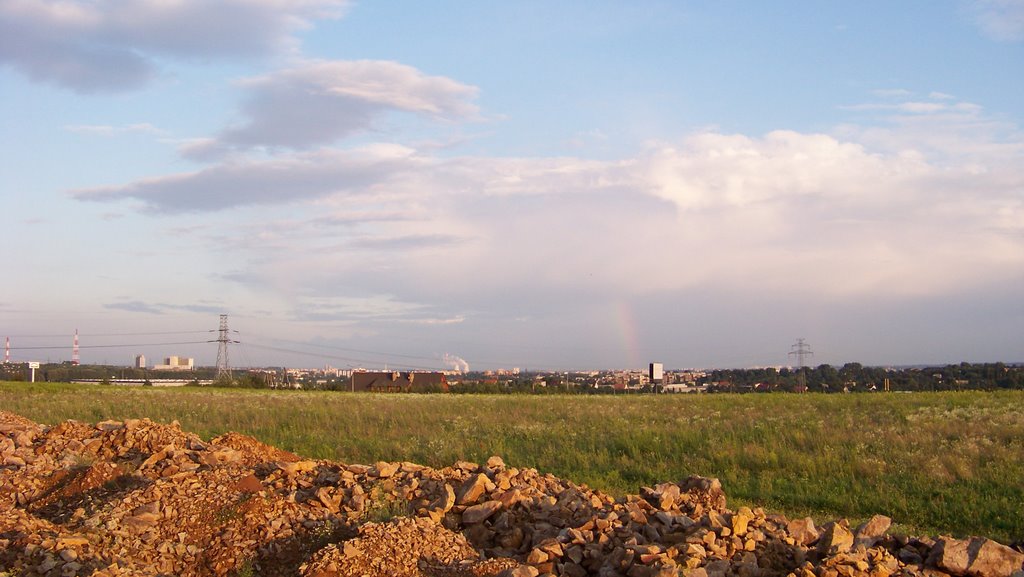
<point x="934" y="462"/>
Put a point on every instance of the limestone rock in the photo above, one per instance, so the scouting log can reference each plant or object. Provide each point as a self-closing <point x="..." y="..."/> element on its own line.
<point x="471" y="490"/>
<point x="705" y="492"/>
<point x="836" y="538"/>
<point x="478" y="513"/>
<point x="445" y="502"/>
<point x="976" y="557"/>
<point x="803" y="531"/>
<point x="520" y="571"/>
<point x="870" y="533"/>
<point x="384" y="470"/>
<point x="741" y="520"/>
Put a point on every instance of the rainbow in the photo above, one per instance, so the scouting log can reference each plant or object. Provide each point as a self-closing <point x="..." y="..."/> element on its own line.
<point x="628" y="333"/>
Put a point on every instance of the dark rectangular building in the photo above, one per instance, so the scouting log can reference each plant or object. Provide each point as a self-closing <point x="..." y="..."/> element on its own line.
<point x="399" y="382"/>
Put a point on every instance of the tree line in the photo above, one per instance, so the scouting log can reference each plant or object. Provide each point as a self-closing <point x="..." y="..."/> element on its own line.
<point x="855" y="377"/>
<point x="851" y="377"/>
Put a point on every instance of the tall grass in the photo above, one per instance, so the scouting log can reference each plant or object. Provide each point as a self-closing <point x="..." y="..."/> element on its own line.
<point x="935" y="462"/>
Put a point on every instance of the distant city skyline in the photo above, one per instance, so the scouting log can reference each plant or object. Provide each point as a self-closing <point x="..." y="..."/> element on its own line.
<point x="543" y="185"/>
<point x="247" y="354"/>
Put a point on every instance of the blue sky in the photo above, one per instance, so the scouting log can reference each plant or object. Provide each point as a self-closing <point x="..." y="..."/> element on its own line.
<point x="547" y="185"/>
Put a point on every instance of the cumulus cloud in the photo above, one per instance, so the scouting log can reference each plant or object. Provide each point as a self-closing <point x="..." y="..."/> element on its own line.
<point x="798" y="211"/>
<point x="109" y="45"/>
<point x="887" y="208"/>
<point x="347" y="96"/>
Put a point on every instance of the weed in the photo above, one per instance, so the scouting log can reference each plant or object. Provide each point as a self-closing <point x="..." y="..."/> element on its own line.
<point x="82" y="461"/>
<point x="246" y="569"/>
<point x="383" y="506"/>
<point x="231" y="511"/>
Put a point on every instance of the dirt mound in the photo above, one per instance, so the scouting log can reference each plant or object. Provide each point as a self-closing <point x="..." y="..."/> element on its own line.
<point x="407" y="546"/>
<point x="144" y="498"/>
<point x="252" y="451"/>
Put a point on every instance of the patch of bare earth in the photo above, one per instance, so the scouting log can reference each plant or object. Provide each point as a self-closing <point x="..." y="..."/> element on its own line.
<point x="144" y="498"/>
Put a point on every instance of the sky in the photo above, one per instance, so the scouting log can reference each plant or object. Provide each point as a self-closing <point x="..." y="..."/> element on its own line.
<point x="543" y="185"/>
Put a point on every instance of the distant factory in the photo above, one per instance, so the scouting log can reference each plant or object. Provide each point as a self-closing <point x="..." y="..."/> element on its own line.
<point x="172" y="363"/>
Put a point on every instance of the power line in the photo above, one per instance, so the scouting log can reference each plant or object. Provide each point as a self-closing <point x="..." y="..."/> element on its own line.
<point x="223" y="340"/>
<point x="336" y="348"/>
<point x="385" y="354"/>
<point x="146" y="334"/>
<point x="110" y="346"/>
<point x="65" y="335"/>
<point x="332" y="357"/>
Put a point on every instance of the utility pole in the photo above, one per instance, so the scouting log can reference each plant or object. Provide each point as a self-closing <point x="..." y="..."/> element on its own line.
<point x="801" y="350"/>
<point x="223" y="366"/>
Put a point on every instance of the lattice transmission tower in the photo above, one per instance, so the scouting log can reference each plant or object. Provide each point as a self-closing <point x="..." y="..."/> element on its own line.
<point x="223" y="366"/>
<point x="800" y="350"/>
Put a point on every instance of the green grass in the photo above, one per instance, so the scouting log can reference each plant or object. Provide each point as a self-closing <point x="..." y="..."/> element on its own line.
<point x="934" y="462"/>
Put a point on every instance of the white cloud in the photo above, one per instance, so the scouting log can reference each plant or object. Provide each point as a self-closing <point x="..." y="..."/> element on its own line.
<point x="912" y="107"/>
<point x="892" y="92"/>
<point x="108" y="130"/>
<point x="811" y="212"/>
<point x="588" y="138"/>
<point x="245" y="182"/>
<point x="348" y="97"/>
<point x="949" y="129"/>
<point x="109" y="45"/>
<point x="455" y="320"/>
<point x="921" y="107"/>
<point x="1001" y="20"/>
<point x="920" y="204"/>
<point x="355" y="308"/>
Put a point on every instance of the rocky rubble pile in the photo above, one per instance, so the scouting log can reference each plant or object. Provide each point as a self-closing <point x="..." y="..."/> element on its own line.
<point x="143" y="498"/>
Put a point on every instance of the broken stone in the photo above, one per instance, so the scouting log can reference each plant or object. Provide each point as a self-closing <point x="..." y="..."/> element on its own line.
<point x="248" y="484"/>
<point x="520" y="571"/>
<point x="471" y="490"/>
<point x="836" y="538"/>
<point x="802" y="531"/>
<point x="385" y="470"/>
<point x="478" y="513"/>
<point x="870" y="533"/>
<point x="740" y="520"/>
<point x="976" y="557"/>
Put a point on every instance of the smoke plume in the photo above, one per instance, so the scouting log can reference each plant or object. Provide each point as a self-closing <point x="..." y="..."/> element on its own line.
<point x="456" y="363"/>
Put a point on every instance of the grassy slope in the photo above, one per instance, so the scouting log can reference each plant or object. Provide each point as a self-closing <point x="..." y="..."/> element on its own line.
<point x="935" y="462"/>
